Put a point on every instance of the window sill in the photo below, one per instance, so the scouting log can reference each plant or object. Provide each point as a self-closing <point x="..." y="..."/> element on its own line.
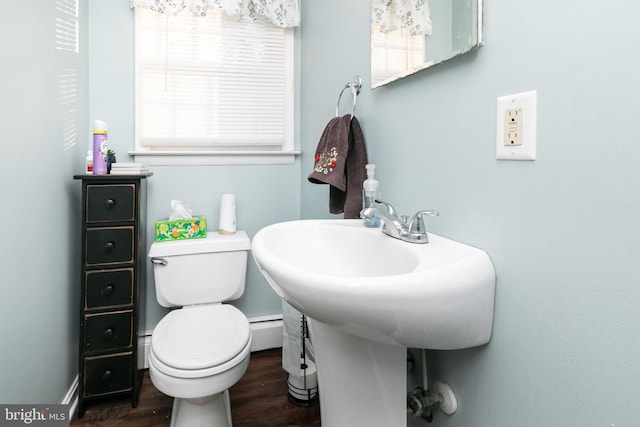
<point x="203" y="158"/>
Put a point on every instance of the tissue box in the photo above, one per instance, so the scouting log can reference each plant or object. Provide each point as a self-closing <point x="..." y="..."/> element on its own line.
<point x="180" y="229"/>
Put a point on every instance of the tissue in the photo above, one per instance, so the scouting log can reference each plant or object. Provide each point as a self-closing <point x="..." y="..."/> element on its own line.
<point x="181" y="224"/>
<point x="179" y="211"/>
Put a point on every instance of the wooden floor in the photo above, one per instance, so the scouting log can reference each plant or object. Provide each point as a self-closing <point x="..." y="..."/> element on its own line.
<point x="259" y="399"/>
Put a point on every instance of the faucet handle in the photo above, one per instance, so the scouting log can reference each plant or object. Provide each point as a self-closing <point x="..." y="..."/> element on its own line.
<point x="417" y="224"/>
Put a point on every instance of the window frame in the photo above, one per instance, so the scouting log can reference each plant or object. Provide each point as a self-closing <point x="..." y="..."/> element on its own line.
<point x="226" y="155"/>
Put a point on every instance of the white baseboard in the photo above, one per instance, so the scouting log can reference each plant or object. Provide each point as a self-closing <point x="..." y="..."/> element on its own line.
<point x="71" y="398"/>
<point x="266" y="333"/>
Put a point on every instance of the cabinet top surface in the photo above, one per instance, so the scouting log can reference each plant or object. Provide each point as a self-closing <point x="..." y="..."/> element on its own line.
<point x="112" y="177"/>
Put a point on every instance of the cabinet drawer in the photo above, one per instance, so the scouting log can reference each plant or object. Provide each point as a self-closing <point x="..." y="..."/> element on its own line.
<point x="110" y="203"/>
<point x="108" y="374"/>
<point x="109" y="245"/>
<point x="108" y="288"/>
<point x="108" y="330"/>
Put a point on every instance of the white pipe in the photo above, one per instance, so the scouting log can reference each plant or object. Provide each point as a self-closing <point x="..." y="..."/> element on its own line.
<point x="425" y="376"/>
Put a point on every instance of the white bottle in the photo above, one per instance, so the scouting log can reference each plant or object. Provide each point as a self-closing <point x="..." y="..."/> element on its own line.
<point x="370" y="193"/>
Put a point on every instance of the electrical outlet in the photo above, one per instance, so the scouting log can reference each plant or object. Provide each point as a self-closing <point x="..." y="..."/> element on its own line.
<point x="513" y="126"/>
<point x="516" y="126"/>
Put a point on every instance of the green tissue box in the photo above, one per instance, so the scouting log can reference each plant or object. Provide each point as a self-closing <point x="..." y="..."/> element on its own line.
<point x="180" y="229"/>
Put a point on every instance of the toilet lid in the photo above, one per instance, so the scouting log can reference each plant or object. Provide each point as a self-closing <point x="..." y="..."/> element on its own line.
<point x="200" y="337"/>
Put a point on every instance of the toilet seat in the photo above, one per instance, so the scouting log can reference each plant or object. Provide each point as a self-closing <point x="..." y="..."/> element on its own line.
<point x="200" y="338"/>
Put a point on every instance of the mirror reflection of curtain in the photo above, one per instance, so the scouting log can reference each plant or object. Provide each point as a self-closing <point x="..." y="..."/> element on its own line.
<point x="283" y="13"/>
<point x="398" y="37"/>
<point x="410" y="16"/>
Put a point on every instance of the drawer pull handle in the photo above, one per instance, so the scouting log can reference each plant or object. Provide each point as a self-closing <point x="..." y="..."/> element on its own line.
<point x="109" y="203"/>
<point x="108" y="334"/>
<point x="160" y="261"/>
<point x="108" y="247"/>
<point x="106" y="376"/>
<point x="108" y="290"/>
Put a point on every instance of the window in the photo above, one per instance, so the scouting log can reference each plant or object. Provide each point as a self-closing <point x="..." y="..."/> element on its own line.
<point x="209" y="89"/>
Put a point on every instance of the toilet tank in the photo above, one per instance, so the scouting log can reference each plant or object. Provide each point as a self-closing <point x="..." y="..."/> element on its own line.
<point x="200" y="271"/>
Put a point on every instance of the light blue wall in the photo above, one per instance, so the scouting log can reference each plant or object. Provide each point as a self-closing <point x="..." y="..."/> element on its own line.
<point x="264" y="194"/>
<point x="562" y="231"/>
<point x="40" y="244"/>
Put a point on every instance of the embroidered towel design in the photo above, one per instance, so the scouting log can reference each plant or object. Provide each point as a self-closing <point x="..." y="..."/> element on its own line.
<point x="325" y="162"/>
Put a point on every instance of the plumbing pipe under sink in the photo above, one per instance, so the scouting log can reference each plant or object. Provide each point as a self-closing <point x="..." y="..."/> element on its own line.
<point x="421" y="401"/>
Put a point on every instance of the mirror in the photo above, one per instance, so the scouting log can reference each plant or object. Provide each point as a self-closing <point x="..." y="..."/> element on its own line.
<point x="446" y="28"/>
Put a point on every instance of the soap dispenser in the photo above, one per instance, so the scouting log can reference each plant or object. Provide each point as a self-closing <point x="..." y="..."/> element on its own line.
<point x="370" y="193"/>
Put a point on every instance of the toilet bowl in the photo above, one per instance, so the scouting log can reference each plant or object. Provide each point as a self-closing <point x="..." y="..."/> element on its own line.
<point x="200" y="350"/>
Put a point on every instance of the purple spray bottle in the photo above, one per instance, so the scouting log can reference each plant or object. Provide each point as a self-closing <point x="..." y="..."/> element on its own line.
<point x="100" y="148"/>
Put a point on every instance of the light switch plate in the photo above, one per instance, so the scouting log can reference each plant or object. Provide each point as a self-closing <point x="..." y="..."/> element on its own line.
<point x="516" y="124"/>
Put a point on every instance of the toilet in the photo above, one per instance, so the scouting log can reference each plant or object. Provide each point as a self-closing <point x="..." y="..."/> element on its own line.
<point x="202" y="348"/>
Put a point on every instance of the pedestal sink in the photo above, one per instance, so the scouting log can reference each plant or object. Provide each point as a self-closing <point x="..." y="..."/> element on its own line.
<point x="368" y="297"/>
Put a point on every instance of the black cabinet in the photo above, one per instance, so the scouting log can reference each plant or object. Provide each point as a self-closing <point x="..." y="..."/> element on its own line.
<point x="112" y="280"/>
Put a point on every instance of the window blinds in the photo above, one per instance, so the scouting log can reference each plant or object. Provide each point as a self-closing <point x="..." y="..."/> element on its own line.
<point x="207" y="83"/>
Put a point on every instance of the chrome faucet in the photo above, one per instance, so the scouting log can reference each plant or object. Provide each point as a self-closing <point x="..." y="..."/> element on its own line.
<point x="412" y="231"/>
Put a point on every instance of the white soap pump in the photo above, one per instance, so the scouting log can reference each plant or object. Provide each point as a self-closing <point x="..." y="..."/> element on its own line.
<point x="370" y="193"/>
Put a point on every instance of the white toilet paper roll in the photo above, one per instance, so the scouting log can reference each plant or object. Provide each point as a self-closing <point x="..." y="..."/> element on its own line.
<point x="227" y="214"/>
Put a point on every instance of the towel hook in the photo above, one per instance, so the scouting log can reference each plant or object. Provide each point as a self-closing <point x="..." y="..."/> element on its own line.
<point x="355" y="85"/>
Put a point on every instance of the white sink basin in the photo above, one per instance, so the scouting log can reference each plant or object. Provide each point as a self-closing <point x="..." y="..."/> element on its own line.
<point x="438" y="295"/>
<point x="368" y="297"/>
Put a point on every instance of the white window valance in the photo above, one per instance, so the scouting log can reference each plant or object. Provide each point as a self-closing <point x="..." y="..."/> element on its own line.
<point x="411" y="16"/>
<point x="283" y="13"/>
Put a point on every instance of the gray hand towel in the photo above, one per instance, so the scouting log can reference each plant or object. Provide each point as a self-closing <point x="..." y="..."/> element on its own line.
<point x="340" y="161"/>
